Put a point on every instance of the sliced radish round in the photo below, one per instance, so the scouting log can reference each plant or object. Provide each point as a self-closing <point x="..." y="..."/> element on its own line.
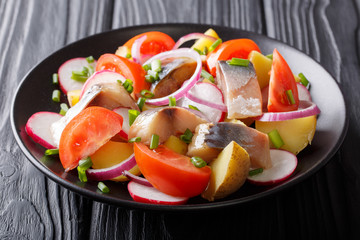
<point x="146" y="194"/>
<point x="38" y="128"/>
<point x="124" y="112"/>
<point x="65" y="73"/>
<point x="283" y="165"/>
<point x="137" y="179"/>
<point x="208" y="98"/>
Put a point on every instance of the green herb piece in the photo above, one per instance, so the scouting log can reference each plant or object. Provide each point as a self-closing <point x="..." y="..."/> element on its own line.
<point x="146" y="93"/>
<point x="194" y="108"/>
<point x="82" y="174"/>
<point x="275" y="138"/>
<point x="187" y="136"/>
<point x="85" y="164"/>
<point x="63" y="109"/>
<point x="215" y="44"/>
<point x="290" y="96"/>
<point x="156" y="65"/>
<point x="128" y="55"/>
<point x="128" y="85"/>
<point x="207" y="75"/>
<point x="198" y="51"/>
<point x="147" y="67"/>
<point x="141" y="103"/>
<point x="56" y="95"/>
<point x="172" y="101"/>
<point x="90" y="59"/>
<point x="238" y="62"/>
<point x="255" y="171"/>
<point x="134" y="139"/>
<point x="133" y="115"/>
<point x="50" y="152"/>
<point x="55" y="79"/>
<point x="81" y="76"/>
<point x="205" y="51"/>
<point x="154" y="74"/>
<point x="154" y="143"/>
<point x="103" y="188"/>
<point x="303" y="80"/>
<point x="149" y="78"/>
<point x="198" y="162"/>
<point x="269" y="56"/>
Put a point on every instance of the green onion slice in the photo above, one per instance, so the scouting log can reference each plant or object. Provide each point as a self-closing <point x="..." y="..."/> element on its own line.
<point x="275" y="138"/>
<point x="63" y="109"/>
<point x="82" y="174"/>
<point x="133" y="115"/>
<point x="290" y="96"/>
<point x="128" y="55"/>
<point x="154" y="143"/>
<point x="147" y="67"/>
<point x="187" y="136"/>
<point x="303" y="80"/>
<point x="90" y="59"/>
<point x="255" y="171"/>
<point x="207" y="75"/>
<point x="215" y="44"/>
<point x="55" y="79"/>
<point x="172" y="101"/>
<point x="56" y="95"/>
<point x="103" y="188"/>
<point x="198" y="162"/>
<point x="156" y="65"/>
<point x="141" y="103"/>
<point x="134" y="139"/>
<point x="238" y="62"/>
<point x="49" y="152"/>
<point x="85" y="164"/>
<point x="270" y="56"/>
<point x="149" y="78"/>
<point x="146" y="93"/>
<point x="194" y="108"/>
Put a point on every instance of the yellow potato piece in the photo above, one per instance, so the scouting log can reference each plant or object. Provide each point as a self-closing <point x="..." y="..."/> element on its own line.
<point x="296" y="133"/>
<point x="175" y="144"/>
<point x="228" y="172"/>
<point x="111" y="154"/>
<point x="262" y="65"/>
<point x="123" y="51"/>
<point x="203" y="42"/>
<point x="73" y="97"/>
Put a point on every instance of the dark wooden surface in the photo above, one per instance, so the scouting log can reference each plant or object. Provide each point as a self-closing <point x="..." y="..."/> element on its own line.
<point x="325" y="206"/>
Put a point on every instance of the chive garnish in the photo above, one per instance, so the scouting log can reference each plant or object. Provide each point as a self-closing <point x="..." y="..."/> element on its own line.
<point x="134" y="139"/>
<point x="270" y="56"/>
<point x="128" y="55"/>
<point x="156" y="65"/>
<point x="207" y="75"/>
<point x="85" y="164"/>
<point x="154" y="74"/>
<point x="255" y="171"/>
<point x="187" y="136"/>
<point x="275" y="138"/>
<point x="82" y="174"/>
<point x="290" y="96"/>
<point x="63" y="109"/>
<point x="133" y="115"/>
<point x="56" y="95"/>
<point x="103" y="188"/>
<point x="154" y="143"/>
<point x="172" y="101"/>
<point x="194" y="108"/>
<point x="149" y="78"/>
<point x="128" y="85"/>
<point x="303" y="80"/>
<point x="146" y="93"/>
<point x="238" y="62"/>
<point x="81" y="76"/>
<point x="205" y="51"/>
<point x="215" y="44"/>
<point x="49" y="152"/>
<point x="147" y="67"/>
<point x="198" y="51"/>
<point x="55" y="79"/>
<point x="90" y="59"/>
<point x="141" y="103"/>
<point x="198" y="162"/>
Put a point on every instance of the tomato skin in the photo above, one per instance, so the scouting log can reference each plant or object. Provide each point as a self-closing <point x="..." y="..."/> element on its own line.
<point x="239" y="48"/>
<point x="129" y="69"/>
<point x="86" y="133"/>
<point x="155" y="42"/>
<point x="281" y="80"/>
<point x="170" y="172"/>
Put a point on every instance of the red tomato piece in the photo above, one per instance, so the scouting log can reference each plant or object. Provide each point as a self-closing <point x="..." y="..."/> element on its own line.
<point x="281" y="80"/>
<point x="129" y="69"/>
<point x="156" y="42"/>
<point x="171" y="172"/>
<point x="239" y="48"/>
<point x="86" y="133"/>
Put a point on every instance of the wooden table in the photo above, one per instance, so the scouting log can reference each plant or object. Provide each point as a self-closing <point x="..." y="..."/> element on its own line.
<point x="325" y="206"/>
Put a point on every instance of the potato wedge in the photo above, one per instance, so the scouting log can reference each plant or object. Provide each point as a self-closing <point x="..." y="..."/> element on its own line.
<point x="229" y="172"/>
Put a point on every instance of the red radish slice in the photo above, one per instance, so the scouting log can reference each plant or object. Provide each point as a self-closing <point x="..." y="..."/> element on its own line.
<point x="283" y="165"/>
<point x="38" y="128"/>
<point x="112" y="172"/>
<point x="137" y="179"/>
<point x="65" y="73"/>
<point x="124" y="112"/>
<point x="192" y="36"/>
<point x="306" y="109"/>
<point x="101" y="77"/>
<point x="146" y="194"/>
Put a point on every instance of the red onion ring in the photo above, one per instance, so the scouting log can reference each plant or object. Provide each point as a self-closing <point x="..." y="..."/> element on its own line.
<point x="137" y="179"/>
<point x="192" y="36"/>
<point x="135" y="49"/>
<point x="306" y="109"/>
<point x="112" y="172"/>
<point x="221" y="107"/>
<point x="187" y="85"/>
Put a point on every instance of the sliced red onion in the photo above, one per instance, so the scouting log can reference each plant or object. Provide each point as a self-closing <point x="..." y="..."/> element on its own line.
<point x="306" y="109"/>
<point x="192" y="36"/>
<point x="135" y="49"/>
<point x="112" y="172"/>
<point x="187" y="85"/>
<point x="137" y="179"/>
<point x="192" y="97"/>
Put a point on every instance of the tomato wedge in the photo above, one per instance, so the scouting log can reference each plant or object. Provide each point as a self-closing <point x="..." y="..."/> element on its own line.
<point x="86" y="133"/>
<point x="282" y="81"/>
<point x="155" y="42"/>
<point x="239" y="48"/>
<point x="171" y="172"/>
<point x="129" y="69"/>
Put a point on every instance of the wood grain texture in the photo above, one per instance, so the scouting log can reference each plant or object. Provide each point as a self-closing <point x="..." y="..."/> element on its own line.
<point x="325" y="206"/>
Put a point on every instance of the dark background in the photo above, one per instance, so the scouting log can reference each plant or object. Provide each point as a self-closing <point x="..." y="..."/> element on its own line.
<point x="324" y="206"/>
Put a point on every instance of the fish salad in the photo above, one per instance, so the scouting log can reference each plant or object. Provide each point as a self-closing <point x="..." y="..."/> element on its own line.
<point x="174" y="122"/>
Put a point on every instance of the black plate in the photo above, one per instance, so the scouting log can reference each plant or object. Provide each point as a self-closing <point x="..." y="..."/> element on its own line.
<point x="34" y="94"/>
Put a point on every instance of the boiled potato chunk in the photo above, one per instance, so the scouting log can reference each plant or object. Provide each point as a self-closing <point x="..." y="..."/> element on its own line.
<point x="262" y="65"/>
<point x="175" y="144"/>
<point x="111" y="154"/>
<point x="203" y="42"/>
<point x="73" y="97"/>
<point x="228" y="172"/>
<point x="296" y="133"/>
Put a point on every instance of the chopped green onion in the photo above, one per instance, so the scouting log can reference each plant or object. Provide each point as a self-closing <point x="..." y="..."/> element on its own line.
<point x="128" y="55"/>
<point x="81" y="76"/>
<point x="303" y="80"/>
<point x="55" y="79"/>
<point x="149" y="78"/>
<point x="194" y="108"/>
<point x="91" y="70"/>
<point x="90" y="59"/>
<point x="85" y="164"/>
<point x="128" y="85"/>
<point x="215" y="44"/>
<point x="63" y="108"/>
<point x="49" y="152"/>
<point x="154" y="143"/>
<point x="156" y="65"/>
<point x="198" y="51"/>
<point x="269" y="56"/>
<point x="198" y="162"/>
<point x="187" y="136"/>
<point x="103" y="188"/>
<point x="290" y="96"/>
<point x="56" y="95"/>
<point x="205" y="51"/>
<point x="82" y="174"/>
<point x="207" y="75"/>
<point x="275" y="138"/>
<point x="238" y="62"/>
<point x="154" y="74"/>
<point x="140" y="103"/>
<point x="134" y="139"/>
<point x="255" y="171"/>
<point x="133" y="115"/>
<point x="147" y="67"/>
<point x="172" y="101"/>
<point x="146" y="93"/>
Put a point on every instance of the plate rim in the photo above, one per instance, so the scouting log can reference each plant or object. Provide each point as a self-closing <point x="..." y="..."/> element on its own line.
<point x="171" y="208"/>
